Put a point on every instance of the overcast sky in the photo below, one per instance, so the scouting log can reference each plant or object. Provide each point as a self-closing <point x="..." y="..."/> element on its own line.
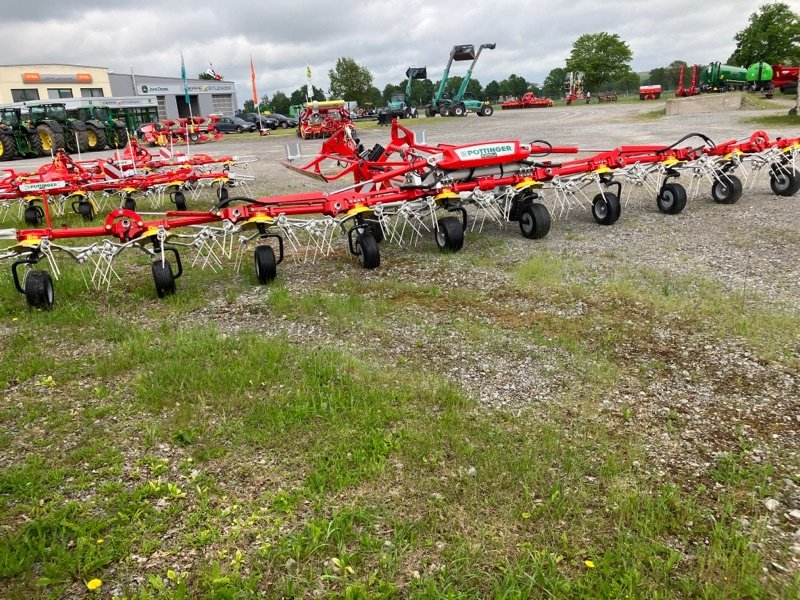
<point x="532" y="36"/>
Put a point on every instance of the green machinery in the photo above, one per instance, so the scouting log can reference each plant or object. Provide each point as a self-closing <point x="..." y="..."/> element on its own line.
<point x="101" y="127"/>
<point x="400" y="104"/>
<point x="716" y="77"/>
<point x="460" y="103"/>
<point x="67" y="132"/>
<point x="17" y="138"/>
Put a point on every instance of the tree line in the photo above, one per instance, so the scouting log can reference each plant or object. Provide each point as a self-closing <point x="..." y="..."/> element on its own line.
<point x="772" y="35"/>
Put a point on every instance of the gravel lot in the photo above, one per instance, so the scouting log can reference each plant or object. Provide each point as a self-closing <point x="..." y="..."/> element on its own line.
<point x="719" y="393"/>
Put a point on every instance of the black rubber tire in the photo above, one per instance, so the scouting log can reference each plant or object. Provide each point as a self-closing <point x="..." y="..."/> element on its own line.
<point x="375" y="229"/>
<point x="265" y="264"/>
<point x="606" y="208"/>
<point x="369" y="255"/>
<point x="34" y="215"/>
<point x="129" y="203"/>
<point x="459" y="110"/>
<point x="534" y="221"/>
<point x="784" y="183"/>
<point x="488" y="111"/>
<point x="39" y="290"/>
<point x="284" y="125"/>
<point x="95" y="138"/>
<point x="86" y="210"/>
<point x="239" y="129"/>
<point x="727" y="190"/>
<point x="8" y="147"/>
<point x="76" y="140"/>
<point x="671" y="198"/>
<point x="163" y="278"/>
<point x="180" y="200"/>
<point x="119" y="138"/>
<point x="222" y="193"/>
<point x="36" y="144"/>
<point x="444" y="111"/>
<point x="449" y="234"/>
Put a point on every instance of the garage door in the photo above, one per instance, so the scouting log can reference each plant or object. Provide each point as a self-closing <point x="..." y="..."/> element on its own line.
<point x="223" y="104"/>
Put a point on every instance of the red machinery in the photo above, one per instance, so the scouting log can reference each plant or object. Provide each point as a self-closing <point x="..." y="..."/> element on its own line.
<point x="196" y="130"/>
<point x="322" y="119"/>
<point x="528" y="100"/>
<point x="649" y="92"/>
<point x="683" y="92"/>
<point x="785" y="78"/>
<point x="401" y="192"/>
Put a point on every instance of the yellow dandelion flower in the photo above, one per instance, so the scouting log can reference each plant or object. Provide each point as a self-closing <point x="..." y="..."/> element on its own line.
<point x="100" y="541"/>
<point x="589" y="564"/>
<point x="94" y="584"/>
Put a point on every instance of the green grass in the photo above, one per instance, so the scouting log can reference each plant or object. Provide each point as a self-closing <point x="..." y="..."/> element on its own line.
<point x="771" y="120"/>
<point x="158" y="447"/>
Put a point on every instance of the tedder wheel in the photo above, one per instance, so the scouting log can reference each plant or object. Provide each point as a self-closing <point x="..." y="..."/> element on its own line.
<point x="266" y="267"/>
<point x="163" y="278"/>
<point x="34" y="215"/>
<point x="180" y="200"/>
<point x="39" y="290"/>
<point x="784" y="183"/>
<point x="222" y="193"/>
<point x="369" y="255"/>
<point x="129" y="203"/>
<point x="534" y="221"/>
<point x="671" y="199"/>
<point x="86" y="211"/>
<point x="449" y="234"/>
<point x="726" y="190"/>
<point x="606" y="208"/>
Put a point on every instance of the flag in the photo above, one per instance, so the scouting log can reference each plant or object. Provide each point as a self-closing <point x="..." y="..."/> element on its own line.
<point x="253" y="81"/>
<point x="183" y="77"/>
<point x="309" y="88"/>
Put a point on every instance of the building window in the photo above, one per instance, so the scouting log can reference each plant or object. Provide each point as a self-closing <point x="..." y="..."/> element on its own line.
<point x="91" y="93"/>
<point x="55" y="93"/>
<point x="23" y="95"/>
<point x="162" y="107"/>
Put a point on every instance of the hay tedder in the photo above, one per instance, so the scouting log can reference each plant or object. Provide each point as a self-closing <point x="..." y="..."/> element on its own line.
<point x="322" y="119"/>
<point x="399" y="194"/>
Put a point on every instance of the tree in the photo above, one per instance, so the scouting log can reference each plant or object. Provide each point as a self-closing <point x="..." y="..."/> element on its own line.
<point x="603" y="57"/>
<point x="299" y="95"/>
<point x="249" y="106"/>
<point x="349" y="81"/>
<point x="204" y="75"/>
<point x="553" y="85"/>
<point x="773" y="36"/>
<point x="492" y="91"/>
<point x="514" y="85"/>
<point x="280" y="103"/>
<point x="667" y="77"/>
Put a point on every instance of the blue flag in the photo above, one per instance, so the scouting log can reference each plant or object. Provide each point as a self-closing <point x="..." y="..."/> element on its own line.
<point x="183" y="77"/>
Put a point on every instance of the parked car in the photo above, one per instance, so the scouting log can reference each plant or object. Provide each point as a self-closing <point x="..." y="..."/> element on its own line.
<point x="283" y="121"/>
<point x="234" y="125"/>
<point x="261" y="121"/>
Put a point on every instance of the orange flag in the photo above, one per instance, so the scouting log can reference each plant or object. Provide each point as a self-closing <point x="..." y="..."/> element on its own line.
<point x="253" y="81"/>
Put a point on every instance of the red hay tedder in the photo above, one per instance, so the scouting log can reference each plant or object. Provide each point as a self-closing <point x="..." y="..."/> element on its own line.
<point x="322" y="119"/>
<point x="528" y="100"/>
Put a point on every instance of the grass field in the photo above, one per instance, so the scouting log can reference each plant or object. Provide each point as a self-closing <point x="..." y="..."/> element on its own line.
<point x="169" y="455"/>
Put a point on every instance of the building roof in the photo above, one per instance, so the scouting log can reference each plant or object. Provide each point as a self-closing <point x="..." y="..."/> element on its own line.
<point x="43" y="64"/>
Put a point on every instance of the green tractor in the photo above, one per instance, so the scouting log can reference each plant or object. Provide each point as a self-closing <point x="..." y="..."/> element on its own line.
<point x="102" y="129"/>
<point x="65" y="132"/>
<point x="16" y="137"/>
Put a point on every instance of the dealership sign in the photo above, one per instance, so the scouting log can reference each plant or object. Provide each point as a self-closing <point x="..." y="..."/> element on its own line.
<point x="161" y="89"/>
<point x="56" y="78"/>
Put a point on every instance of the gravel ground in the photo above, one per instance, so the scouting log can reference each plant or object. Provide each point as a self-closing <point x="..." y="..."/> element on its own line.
<point x="718" y="393"/>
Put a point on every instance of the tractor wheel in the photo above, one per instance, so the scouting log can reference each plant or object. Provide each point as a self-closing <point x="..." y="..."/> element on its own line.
<point x="51" y="141"/>
<point x="95" y="138"/>
<point x="369" y="255"/>
<point x="488" y="111"/>
<point x="163" y="278"/>
<point x="449" y="234"/>
<point x="444" y="111"/>
<point x="459" y="110"/>
<point x="266" y="266"/>
<point x="534" y="221"/>
<point x="606" y="208"/>
<point x="671" y="199"/>
<point x="727" y="190"/>
<point x="784" y="183"/>
<point x="36" y="144"/>
<point x="428" y="111"/>
<point x="8" y="147"/>
<point x="119" y="138"/>
<point x="75" y="140"/>
<point x="39" y="290"/>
